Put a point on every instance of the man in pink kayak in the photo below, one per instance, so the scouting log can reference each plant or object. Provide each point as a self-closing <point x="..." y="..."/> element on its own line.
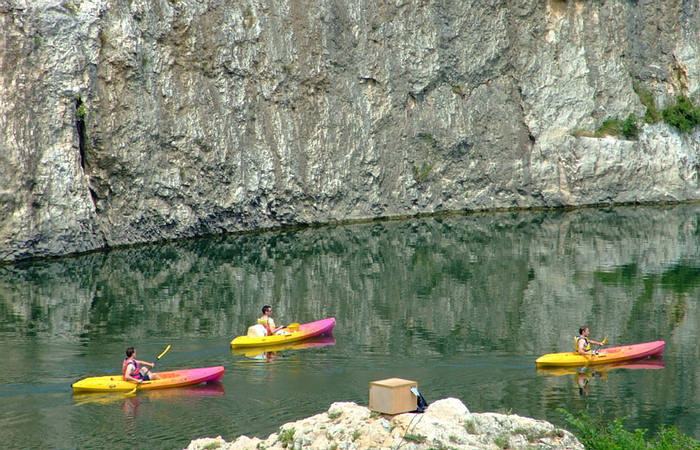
<point x="583" y="344"/>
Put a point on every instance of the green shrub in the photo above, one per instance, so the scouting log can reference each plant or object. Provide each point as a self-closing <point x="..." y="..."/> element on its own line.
<point x="418" y="438"/>
<point x="286" y="437"/>
<point x="610" y="127"/>
<point x="629" y="127"/>
<point x="502" y="440"/>
<point x="682" y="115"/>
<point x="470" y="426"/>
<point x="598" y="434"/>
<point x="422" y="172"/>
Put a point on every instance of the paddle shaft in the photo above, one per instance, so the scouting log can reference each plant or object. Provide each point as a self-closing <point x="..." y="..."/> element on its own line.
<point x="602" y="343"/>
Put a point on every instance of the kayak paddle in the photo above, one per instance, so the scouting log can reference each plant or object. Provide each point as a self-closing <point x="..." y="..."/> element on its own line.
<point x="601" y="345"/>
<point x="133" y="391"/>
<point x="168" y="348"/>
<point x="294" y="326"/>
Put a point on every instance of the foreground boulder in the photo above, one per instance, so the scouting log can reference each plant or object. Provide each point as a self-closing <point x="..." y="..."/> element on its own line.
<point x="446" y="423"/>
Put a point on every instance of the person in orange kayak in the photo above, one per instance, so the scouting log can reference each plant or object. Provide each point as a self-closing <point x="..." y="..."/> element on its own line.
<point x="268" y="322"/>
<point x="583" y="343"/>
<point x="136" y="370"/>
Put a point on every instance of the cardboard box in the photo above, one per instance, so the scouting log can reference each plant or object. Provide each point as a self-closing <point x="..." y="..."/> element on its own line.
<point x="392" y="396"/>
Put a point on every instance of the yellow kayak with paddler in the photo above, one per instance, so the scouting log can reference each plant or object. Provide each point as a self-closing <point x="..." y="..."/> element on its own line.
<point x="604" y="356"/>
<point x="289" y="334"/>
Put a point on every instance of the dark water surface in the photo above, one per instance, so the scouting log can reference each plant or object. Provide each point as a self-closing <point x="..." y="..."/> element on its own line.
<point x="461" y="304"/>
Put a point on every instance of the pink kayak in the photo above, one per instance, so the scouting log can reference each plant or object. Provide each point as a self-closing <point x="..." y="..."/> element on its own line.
<point x="168" y="379"/>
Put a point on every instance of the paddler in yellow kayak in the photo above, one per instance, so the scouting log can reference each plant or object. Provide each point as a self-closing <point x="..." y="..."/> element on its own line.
<point x="268" y="322"/>
<point x="136" y="370"/>
<point x="583" y="343"/>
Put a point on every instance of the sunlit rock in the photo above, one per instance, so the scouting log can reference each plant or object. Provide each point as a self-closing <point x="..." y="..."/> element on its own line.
<point x="446" y="423"/>
<point x="142" y="121"/>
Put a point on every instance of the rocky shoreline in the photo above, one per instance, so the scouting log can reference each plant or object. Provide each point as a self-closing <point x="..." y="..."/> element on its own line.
<point x="446" y="423"/>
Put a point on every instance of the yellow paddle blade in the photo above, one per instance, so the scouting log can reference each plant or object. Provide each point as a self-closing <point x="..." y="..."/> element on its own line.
<point x="293" y="326"/>
<point x="164" y="352"/>
<point x="604" y="341"/>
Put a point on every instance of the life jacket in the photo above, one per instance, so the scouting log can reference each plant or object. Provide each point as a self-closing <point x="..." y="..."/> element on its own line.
<point x="263" y="321"/>
<point x="136" y="373"/>
<point x="587" y="348"/>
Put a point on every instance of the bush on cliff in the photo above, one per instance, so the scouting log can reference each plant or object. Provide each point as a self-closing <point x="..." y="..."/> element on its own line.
<point x="598" y="434"/>
<point x="682" y="115"/>
<point x="628" y="128"/>
<point x="610" y="127"/>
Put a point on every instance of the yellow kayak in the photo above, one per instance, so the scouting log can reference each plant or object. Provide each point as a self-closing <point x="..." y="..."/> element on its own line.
<point x="305" y="331"/>
<point x="605" y="356"/>
<point x="169" y="379"/>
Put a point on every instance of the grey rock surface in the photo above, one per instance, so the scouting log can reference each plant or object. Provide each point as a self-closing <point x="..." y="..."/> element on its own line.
<point x="125" y="122"/>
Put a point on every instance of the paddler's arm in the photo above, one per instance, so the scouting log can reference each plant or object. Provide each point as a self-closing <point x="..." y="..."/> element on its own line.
<point x="273" y="328"/>
<point x="146" y="363"/>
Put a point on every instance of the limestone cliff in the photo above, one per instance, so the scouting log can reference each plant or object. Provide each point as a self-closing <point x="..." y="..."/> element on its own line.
<point x="131" y="121"/>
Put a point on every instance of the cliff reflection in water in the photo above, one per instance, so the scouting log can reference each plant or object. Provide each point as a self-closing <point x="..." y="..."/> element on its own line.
<point x="459" y="289"/>
<point x="520" y="281"/>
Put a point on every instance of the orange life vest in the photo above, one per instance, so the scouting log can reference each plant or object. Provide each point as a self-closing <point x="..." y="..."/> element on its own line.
<point x="136" y="373"/>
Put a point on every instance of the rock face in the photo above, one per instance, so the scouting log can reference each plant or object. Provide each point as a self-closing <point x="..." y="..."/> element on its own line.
<point x="446" y="423"/>
<point x="125" y="122"/>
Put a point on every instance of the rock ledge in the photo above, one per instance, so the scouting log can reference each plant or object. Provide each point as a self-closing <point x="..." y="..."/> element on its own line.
<point x="446" y="423"/>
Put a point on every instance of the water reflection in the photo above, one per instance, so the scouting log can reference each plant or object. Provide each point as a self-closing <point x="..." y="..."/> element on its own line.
<point x="214" y="389"/>
<point x="464" y="302"/>
<point x="584" y="375"/>
<point x="437" y="279"/>
<point x="271" y="351"/>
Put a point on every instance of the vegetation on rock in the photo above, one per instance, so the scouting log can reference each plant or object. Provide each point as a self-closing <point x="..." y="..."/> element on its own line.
<point x="683" y="114"/>
<point x="596" y="433"/>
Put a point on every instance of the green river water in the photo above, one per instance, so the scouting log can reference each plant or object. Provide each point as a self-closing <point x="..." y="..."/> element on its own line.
<point x="461" y="304"/>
